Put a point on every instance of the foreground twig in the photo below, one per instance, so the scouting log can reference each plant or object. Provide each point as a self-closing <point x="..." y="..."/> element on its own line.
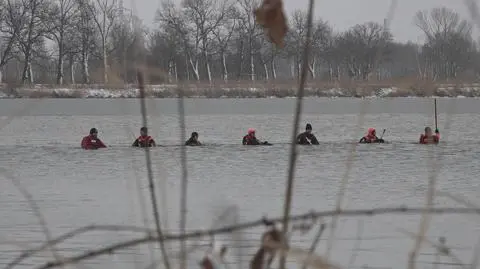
<point x="143" y="107"/>
<point x="430" y="195"/>
<point x="138" y="186"/>
<point x="296" y="123"/>
<point x="246" y="225"/>
<point x="304" y="257"/>
<point x="425" y="221"/>
<point x="440" y="247"/>
<point x="183" y="187"/>
<point x="358" y="241"/>
<point x="350" y="159"/>
<point x="321" y="229"/>
<point x="30" y="252"/>
<point x="36" y="210"/>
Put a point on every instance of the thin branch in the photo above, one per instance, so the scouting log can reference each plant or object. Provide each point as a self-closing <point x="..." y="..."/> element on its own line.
<point x="35" y="209"/>
<point x="438" y="247"/>
<point x="261" y="222"/>
<point x="111" y="228"/>
<point x="141" y="198"/>
<point x="183" y="187"/>
<point x="344" y="182"/>
<point x="296" y="123"/>
<point x="148" y="160"/>
<point x="321" y="229"/>
<point x="430" y="195"/>
<point x="358" y="242"/>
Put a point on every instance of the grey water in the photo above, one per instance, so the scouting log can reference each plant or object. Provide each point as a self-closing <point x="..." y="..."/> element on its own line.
<point x="40" y="153"/>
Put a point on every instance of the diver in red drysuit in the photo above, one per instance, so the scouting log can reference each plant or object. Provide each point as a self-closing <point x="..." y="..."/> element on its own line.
<point x="428" y="137"/>
<point x="92" y="141"/>
<point x="250" y="138"/>
<point x="144" y="140"/>
<point x="371" y="137"/>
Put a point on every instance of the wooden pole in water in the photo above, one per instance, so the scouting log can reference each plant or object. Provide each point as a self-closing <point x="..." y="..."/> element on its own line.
<point x="293" y="152"/>
<point x="435" y="105"/>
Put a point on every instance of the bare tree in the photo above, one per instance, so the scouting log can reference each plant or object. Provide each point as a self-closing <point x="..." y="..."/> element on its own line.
<point x="104" y="14"/>
<point x="363" y="48"/>
<point x="215" y="39"/>
<point x="11" y="22"/>
<point x="250" y="30"/>
<point x="63" y="16"/>
<point x="88" y="31"/>
<point x="175" y="28"/>
<point x="448" y="45"/>
<point x="223" y="34"/>
<point x="204" y="16"/>
<point x="26" y="22"/>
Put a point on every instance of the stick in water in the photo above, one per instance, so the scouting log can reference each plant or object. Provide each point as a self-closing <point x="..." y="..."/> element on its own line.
<point x="382" y="133"/>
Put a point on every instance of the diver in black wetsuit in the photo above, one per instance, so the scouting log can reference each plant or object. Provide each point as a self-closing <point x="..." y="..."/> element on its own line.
<point x="193" y="140"/>
<point x="307" y="138"/>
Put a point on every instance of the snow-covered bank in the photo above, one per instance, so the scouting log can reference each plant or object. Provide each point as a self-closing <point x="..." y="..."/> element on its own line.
<point x="168" y="91"/>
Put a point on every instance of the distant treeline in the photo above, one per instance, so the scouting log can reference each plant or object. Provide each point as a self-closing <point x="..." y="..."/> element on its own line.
<point x="99" y="41"/>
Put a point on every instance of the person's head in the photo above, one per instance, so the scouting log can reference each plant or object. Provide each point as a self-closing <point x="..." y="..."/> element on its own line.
<point x="93" y="132"/>
<point x="195" y="135"/>
<point x="428" y="131"/>
<point x="372" y="132"/>
<point x="143" y="131"/>
<point x="308" y="128"/>
<point x="251" y="131"/>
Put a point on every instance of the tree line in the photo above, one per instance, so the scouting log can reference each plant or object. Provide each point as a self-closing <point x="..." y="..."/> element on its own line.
<point x="99" y="41"/>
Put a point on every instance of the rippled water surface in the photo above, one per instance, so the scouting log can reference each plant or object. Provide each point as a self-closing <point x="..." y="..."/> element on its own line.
<point x="40" y="154"/>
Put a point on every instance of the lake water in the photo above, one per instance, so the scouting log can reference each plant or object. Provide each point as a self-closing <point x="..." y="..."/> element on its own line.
<point x="40" y="152"/>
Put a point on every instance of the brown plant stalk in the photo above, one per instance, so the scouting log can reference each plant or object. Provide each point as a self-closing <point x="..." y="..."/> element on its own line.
<point x="296" y="123"/>
<point x="156" y="215"/>
<point x="228" y="229"/>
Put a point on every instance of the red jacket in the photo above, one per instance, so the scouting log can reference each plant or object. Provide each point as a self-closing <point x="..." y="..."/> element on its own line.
<point x="144" y="141"/>
<point x="425" y="139"/>
<point x="90" y="142"/>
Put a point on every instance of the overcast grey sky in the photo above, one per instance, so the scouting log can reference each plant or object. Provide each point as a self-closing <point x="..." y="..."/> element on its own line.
<point x="343" y="14"/>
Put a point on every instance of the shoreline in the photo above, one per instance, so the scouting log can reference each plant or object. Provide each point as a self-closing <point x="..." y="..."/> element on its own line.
<point x="239" y="91"/>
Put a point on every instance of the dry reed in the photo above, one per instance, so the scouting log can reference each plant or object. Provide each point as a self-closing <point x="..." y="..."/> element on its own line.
<point x="296" y="123"/>
<point x="184" y="182"/>
<point x="304" y="257"/>
<point x="148" y="160"/>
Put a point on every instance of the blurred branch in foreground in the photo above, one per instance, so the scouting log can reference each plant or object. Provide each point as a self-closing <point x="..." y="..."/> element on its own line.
<point x="224" y="230"/>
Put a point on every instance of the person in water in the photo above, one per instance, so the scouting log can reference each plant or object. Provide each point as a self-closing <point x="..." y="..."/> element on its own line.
<point x="193" y="140"/>
<point x="307" y="138"/>
<point x="92" y="141"/>
<point x="428" y="137"/>
<point x="371" y="137"/>
<point x="251" y="139"/>
<point x="144" y="140"/>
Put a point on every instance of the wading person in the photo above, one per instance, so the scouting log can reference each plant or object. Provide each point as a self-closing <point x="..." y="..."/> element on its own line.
<point x="92" y="141"/>
<point x="144" y="140"/>
<point x="193" y="140"/>
<point x="307" y="138"/>
<point x="428" y="137"/>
